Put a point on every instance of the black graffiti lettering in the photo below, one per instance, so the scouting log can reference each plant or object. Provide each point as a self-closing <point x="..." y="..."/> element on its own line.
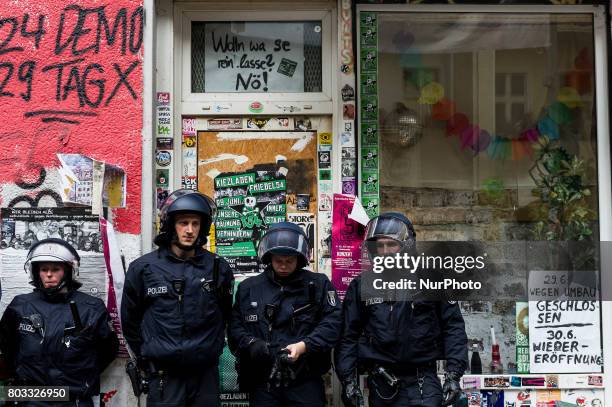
<point x="50" y="193"/>
<point x="83" y="30"/>
<point x="73" y="83"/>
<point x="42" y="175"/>
<point x="38" y="33"/>
<point x="9" y="72"/>
<point x="26" y="74"/>
<point x="60" y="73"/>
<point x="123" y="80"/>
<point x="225" y="63"/>
<point x="240" y="82"/>
<point x="258" y="46"/>
<point x="281" y="45"/>
<point x="253" y="81"/>
<point x="78" y="31"/>
<point x="13" y="30"/>
<point x="225" y="44"/>
<point x="34" y="202"/>
<point x="137" y="15"/>
<point x="111" y="36"/>
<point x="99" y="83"/>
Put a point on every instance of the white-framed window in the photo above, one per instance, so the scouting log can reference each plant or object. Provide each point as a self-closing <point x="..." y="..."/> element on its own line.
<point x="268" y="56"/>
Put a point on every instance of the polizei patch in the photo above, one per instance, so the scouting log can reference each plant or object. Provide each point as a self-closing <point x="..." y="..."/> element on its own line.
<point x="154" y="291"/>
<point x="25" y="327"/>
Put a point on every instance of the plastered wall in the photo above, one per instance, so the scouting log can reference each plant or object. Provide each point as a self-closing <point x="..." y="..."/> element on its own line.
<point x="70" y="82"/>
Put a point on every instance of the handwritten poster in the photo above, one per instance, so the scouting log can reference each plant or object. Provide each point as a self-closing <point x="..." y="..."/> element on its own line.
<point x="254" y="57"/>
<point x="564" y="324"/>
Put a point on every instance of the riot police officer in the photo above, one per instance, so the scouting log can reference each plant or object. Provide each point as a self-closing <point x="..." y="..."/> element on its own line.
<point x="176" y="303"/>
<point x="285" y="322"/>
<point x="397" y="343"/>
<point x="56" y="335"/>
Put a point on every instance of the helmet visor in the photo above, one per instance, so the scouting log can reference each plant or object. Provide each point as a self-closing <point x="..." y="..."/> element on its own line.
<point x="387" y="227"/>
<point x="284" y="241"/>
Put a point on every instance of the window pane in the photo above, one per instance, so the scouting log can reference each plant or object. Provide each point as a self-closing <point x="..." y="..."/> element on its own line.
<point x="498" y="146"/>
<point x="465" y="103"/>
<point x="259" y="57"/>
<point x="517" y="84"/>
<point x="500" y="84"/>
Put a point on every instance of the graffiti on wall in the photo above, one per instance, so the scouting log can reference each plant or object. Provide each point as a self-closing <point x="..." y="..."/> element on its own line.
<point x="70" y="82"/>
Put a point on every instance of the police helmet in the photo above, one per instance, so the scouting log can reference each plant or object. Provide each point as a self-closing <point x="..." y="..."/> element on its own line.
<point x="392" y="225"/>
<point x="54" y="251"/>
<point x="185" y="201"/>
<point x="285" y="239"/>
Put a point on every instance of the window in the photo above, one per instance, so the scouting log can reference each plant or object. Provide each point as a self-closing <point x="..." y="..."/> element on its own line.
<point x="264" y="56"/>
<point x="484" y="129"/>
<point x="258" y="57"/>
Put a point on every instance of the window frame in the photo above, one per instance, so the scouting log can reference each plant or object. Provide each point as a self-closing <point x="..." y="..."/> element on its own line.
<point x="183" y="19"/>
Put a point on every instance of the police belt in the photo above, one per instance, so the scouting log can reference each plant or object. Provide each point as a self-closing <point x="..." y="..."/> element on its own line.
<point x="405" y="370"/>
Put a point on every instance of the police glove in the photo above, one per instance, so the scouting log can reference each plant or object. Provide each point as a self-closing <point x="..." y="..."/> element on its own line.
<point x="351" y="393"/>
<point x="282" y="374"/>
<point x="451" y="390"/>
<point x="258" y="351"/>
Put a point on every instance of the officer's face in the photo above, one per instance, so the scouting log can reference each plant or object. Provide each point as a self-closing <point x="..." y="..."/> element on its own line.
<point x="187" y="227"/>
<point x="51" y="273"/>
<point x="284" y="265"/>
<point x="386" y="246"/>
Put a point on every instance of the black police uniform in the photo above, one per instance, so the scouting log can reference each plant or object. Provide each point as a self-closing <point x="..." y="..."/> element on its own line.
<point x="302" y="307"/>
<point x="40" y="353"/>
<point x="405" y="338"/>
<point x="174" y="314"/>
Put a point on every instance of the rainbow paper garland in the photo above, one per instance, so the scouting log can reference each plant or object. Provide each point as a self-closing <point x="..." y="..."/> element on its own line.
<point x="478" y="140"/>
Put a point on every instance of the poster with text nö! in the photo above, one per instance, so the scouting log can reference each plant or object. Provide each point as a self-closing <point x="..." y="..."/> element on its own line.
<point x="254" y="57"/>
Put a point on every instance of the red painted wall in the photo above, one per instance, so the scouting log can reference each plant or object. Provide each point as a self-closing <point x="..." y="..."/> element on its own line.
<point x="70" y="82"/>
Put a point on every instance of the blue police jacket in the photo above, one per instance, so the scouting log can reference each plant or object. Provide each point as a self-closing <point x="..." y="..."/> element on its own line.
<point x="399" y="335"/>
<point x="38" y="350"/>
<point x="173" y="312"/>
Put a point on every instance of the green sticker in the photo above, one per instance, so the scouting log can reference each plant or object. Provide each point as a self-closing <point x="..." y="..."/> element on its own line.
<point x="369" y="134"/>
<point x="234" y="180"/>
<point x="270" y="220"/>
<point x="368" y="35"/>
<point x="234" y="234"/>
<point x="275" y="208"/>
<point x="370" y="204"/>
<point x="228" y="224"/>
<point x="369" y="108"/>
<point x="325" y="175"/>
<point x="162" y="177"/>
<point x="369" y="182"/>
<point x="237" y="250"/>
<point x="368" y="59"/>
<point x="228" y="214"/>
<point x="369" y="157"/>
<point x="368" y="19"/>
<point x="230" y="201"/>
<point x="368" y="84"/>
<point x="268" y="186"/>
